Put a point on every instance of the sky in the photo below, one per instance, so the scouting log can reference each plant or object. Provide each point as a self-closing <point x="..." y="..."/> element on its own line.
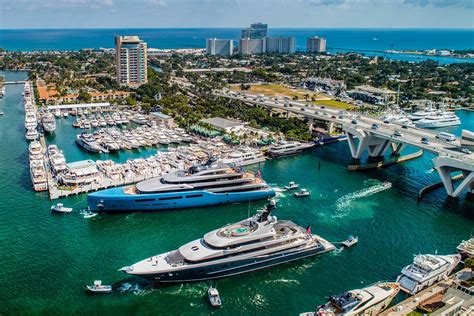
<point x="37" y="14"/>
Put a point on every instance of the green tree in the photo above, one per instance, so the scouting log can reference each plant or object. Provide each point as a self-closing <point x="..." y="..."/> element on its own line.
<point x="84" y="96"/>
<point x="469" y="263"/>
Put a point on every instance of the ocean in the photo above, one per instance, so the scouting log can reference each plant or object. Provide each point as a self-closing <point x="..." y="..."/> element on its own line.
<point x="367" y="41"/>
<point x="47" y="259"/>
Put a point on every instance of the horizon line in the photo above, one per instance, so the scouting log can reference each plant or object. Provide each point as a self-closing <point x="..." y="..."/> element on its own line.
<point x="239" y="28"/>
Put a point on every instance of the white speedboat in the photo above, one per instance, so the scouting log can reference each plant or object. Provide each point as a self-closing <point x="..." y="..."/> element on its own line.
<point x="370" y="300"/>
<point x="350" y="241"/>
<point x="213" y="296"/>
<point x="98" y="287"/>
<point x="59" y="208"/>
<point x="425" y="271"/>
<point x="292" y="185"/>
<point x="302" y="193"/>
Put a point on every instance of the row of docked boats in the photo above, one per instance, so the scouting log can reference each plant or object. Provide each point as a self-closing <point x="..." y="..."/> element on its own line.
<point x="429" y="117"/>
<point x="31" y="118"/>
<point x="37" y="166"/>
<point x="112" y="139"/>
<point x="99" y="120"/>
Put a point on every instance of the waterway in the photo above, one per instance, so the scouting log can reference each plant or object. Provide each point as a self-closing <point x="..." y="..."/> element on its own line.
<point x="47" y="259"/>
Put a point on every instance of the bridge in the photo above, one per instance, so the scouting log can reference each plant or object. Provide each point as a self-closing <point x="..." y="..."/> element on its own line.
<point x="364" y="136"/>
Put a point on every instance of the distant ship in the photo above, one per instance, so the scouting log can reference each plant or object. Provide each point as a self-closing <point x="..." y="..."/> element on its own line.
<point x="255" y="243"/>
<point x="209" y="184"/>
<point x="288" y="148"/>
<point x="425" y="271"/>
<point x="370" y="300"/>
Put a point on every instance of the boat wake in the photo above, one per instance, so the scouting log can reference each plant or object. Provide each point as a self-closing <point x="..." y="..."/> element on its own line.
<point x="134" y="288"/>
<point x="343" y="204"/>
<point x="87" y="214"/>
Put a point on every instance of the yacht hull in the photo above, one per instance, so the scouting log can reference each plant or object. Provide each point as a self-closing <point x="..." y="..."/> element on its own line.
<point x="115" y="200"/>
<point x="223" y="269"/>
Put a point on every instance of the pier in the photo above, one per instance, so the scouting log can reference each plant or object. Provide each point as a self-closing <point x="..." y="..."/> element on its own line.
<point x="14" y="82"/>
<point x="364" y="137"/>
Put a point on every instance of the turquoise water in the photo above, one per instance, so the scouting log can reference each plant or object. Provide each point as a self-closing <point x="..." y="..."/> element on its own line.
<point x="363" y="40"/>
<point x="47" y="259"/>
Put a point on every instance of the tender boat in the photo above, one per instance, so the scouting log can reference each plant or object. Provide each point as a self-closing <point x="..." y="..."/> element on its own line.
<point x="98" y="287"/>
<point x="292" y="185"/>
<point x="59" y="208"/>
<point x="350" y="241"/>
<point x="302" y="193"/>
<point x="90" y="214"/>
<point x="425" y="271"/>
<point x="213" y="296"/>
<point x="255" y="243"/>
<point x="370" y="300"/>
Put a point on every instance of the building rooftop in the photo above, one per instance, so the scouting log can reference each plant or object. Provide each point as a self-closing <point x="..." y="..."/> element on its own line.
<point x="160" y="115"/>
<point x="222" y="123"/>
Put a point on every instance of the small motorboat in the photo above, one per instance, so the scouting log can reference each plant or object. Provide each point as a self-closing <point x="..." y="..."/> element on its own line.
<point x="302" y="193"/>
<point x="59" y="208"/>
<point x="99" y="288"/>
<point x="213" y="296"/>
<point x="1" y="112"/>
<point x="350" y="241"/>
<point x="90" y="214"/>
<point x="292" y="185"/>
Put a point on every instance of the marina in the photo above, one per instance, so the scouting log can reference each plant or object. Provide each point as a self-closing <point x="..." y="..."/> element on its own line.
<point x="314" y="209"/>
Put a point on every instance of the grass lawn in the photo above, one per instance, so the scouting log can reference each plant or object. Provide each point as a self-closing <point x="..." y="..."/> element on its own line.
<point x="278" y="90"/>
<point x="334" y="104"/>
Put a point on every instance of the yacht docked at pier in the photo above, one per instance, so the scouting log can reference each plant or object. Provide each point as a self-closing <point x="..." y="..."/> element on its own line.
<point x="466" y="248"/>
<point x="244" y="157"/>
<point x="49" y="122"/>
<point x="288" y="148"/>
<point x="370" y="300"/>
<point x="212" y="183"/>
<point x="425" y="271"/>
<point x="255" y="243"/>
<point x="441" y="119"/>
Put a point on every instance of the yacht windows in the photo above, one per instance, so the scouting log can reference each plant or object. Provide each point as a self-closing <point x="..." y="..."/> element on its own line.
<point x="144" y="200"/>
<point x="170" y="198"/>
<point x="193" y="196"/>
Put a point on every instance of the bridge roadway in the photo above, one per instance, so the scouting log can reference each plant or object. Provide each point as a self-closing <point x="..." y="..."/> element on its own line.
<point x="361" y="136"/>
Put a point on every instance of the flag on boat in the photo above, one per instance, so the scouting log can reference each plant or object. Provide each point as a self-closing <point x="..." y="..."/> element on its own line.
<point x="259" y="174"/>
<point x="308" y="230"/>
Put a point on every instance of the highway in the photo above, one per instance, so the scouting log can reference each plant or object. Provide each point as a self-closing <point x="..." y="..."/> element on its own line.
<point x="410" y="135"/>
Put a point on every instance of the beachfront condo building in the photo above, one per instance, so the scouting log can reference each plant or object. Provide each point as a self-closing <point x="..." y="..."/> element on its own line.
<point x="255" y="31"/>
<point x="131" y="60"/>
<point x="281" y="45"/>
<point x="316" y="45"/>
<point x="221" y="47"/>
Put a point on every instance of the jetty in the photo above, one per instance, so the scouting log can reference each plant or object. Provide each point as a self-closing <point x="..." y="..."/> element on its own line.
<point x="385" y="163"/>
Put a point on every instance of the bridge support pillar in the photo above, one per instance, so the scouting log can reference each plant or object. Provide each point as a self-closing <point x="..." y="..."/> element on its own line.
<point x="445" y="166"/>
<point x="331" y="127"/>
<point x="310" y="123"/>
<point x="397" y="148"/>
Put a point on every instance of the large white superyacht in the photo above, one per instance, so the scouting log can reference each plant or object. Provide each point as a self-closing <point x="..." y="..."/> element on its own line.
<point x="441" y="119"/>
<point x="425" y="271"/>
<point x="288" y="148"/>
<point x="258" y="242"/>
<point x="367" y="301"/>
<point x="244" y="157"/>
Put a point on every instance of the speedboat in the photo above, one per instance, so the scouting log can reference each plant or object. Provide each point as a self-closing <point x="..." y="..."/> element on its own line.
<point x="255" y="243"/>
<point x="59" y="208"/>
<point x="292" y="185"/>
<point x="370" y="300"/>
<point x="98" y="287"/>
<point x="350" y="241"/>
<point x="425" y="271"/>
<point x="213" y="297"/>
<point x="302" y="193"/>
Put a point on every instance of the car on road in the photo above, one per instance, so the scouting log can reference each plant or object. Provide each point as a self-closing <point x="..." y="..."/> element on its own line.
<point x="466" y="151"/>
<point x="333" y="116"/>
<point x="425" y="140"/>
<point x="353" y="122"/>
<point x="397" y="133"/>
<point x="405" y="126"/>
<point x="386" y="121"/>
<point x="322" y="107"/>
<point x="375" y="126"/>
<point x="302" y="109"/>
